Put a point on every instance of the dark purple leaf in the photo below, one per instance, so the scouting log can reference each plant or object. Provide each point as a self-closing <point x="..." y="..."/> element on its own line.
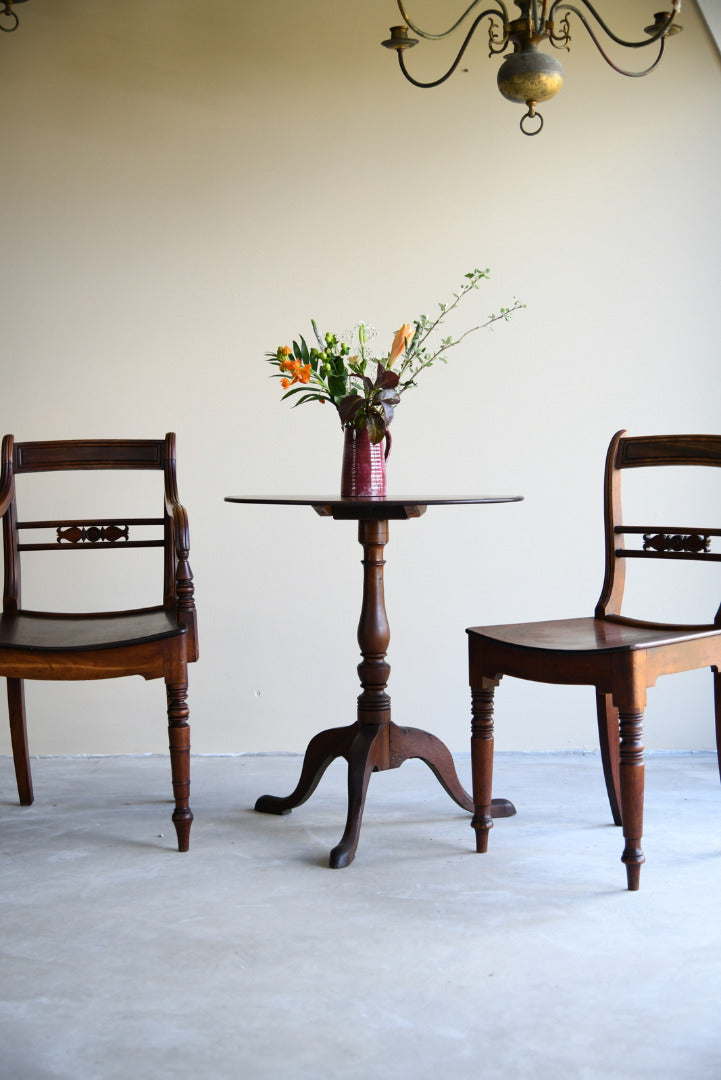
<point x="376" y="426"/>
<point x="388" y="380"/>
<point x="348" y="407"/>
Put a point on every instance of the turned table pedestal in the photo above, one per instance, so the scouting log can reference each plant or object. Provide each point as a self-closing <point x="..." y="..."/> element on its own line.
<point x="373" y="743"/>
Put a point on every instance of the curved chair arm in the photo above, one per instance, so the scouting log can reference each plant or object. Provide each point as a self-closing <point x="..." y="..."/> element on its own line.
<point x="7" y="486"/>
<point x="181" y="532"/>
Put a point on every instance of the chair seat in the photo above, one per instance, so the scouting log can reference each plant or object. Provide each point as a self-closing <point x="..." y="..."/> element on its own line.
<point x="42" y="632"/>
<point x="587" y="635"/>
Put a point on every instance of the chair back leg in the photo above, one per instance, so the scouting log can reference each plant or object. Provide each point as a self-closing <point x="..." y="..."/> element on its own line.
<point x="19" y="740"/>
<point x="717" y="705"/>
<point x="608" y="737"/>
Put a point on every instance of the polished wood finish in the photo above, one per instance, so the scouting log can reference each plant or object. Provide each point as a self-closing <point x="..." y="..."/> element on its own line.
<point x="154" y="642"/>
<point x="621" y="657"/>
<point x="349" y="508"/>
<point x="373" y="743"/>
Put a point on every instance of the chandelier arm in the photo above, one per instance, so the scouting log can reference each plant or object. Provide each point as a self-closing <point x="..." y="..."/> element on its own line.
<point x="502" y="11"/>
<point x="559" y="5"/>
<point x="637" y="74"/>
<point x="604" y="54"/>
<point x="539" y="18"/>
<point x="437" y="82"/>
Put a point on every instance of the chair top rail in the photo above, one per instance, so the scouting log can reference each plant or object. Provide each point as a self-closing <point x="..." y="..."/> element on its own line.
<point x="649" y="450"/>
<point x="89" y="454"/>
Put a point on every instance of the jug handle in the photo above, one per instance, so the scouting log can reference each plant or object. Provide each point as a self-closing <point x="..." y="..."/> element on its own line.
<point x="388" y="444"/>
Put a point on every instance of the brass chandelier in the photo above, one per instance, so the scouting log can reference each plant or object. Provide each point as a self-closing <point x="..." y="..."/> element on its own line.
<point x="8" y="19"/>
<point x="527" y="75"/>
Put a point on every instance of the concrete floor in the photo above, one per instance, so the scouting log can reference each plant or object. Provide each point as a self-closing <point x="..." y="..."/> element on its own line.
<point x="248" y="959"/>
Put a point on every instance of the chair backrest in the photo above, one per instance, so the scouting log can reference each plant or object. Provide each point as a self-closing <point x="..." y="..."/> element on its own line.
<point x="681" y="543"/>
<point x="107" y="533"/>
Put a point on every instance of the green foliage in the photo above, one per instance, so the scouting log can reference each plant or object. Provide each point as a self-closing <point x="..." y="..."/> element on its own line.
<point x="331" y="373"/>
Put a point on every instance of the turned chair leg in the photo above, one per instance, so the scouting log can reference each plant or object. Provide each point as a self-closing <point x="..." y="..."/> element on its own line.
<point x="179" y="739"/>
<point x="19" y="740"/>
<point x="632" y="771"/>
<point x="717" y="707"/>
<point x="482" y="761"/>
<point x="607" y="715"/>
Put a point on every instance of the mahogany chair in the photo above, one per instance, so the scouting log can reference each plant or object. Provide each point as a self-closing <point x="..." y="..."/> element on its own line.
<point x="154" y="642"/>
<point x="620" y="656"/>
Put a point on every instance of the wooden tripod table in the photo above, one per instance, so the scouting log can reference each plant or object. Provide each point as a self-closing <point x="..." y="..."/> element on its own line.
<point x="373" y="743"/>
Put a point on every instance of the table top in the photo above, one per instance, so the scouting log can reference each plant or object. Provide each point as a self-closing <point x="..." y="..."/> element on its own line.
<point x="360" y="509"/>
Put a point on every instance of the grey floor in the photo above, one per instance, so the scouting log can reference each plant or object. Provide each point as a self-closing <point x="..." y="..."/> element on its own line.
<point x="249" y="958"/>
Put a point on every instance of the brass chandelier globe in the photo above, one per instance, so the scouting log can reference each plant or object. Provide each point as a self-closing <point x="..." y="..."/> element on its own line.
<point x="527" y="75"/>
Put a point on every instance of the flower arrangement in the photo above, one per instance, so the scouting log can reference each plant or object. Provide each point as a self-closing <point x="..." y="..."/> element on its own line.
<point x="366" y="390"/>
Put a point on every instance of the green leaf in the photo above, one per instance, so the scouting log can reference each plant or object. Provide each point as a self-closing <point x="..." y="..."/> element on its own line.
<point x="304" y="354"/>
<point x="337" y="387"/>
<point x="318" y="336"/>
<point x="299" y="388"/>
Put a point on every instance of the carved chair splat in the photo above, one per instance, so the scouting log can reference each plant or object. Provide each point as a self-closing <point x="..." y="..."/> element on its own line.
<point x="620" y="656"/>
<point x="153" y="642"/>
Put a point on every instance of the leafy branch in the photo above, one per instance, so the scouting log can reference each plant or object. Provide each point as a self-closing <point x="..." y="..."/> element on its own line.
<point x="417" y="356"/>
<point x="330" y="373"/>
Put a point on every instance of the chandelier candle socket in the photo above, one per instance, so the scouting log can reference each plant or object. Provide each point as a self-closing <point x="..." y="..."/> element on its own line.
<point x="527" y="75"/>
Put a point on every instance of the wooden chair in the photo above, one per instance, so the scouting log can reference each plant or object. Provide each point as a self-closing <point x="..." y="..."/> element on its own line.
<point x="155" y="642"/>
<point x="621" y="657"/>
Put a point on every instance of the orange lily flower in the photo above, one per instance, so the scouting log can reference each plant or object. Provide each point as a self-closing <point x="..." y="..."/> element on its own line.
<point x="300" y="372"/>
<point x="400" y="342"/>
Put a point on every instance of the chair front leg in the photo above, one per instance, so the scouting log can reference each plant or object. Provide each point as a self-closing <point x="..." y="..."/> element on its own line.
<point x="632" y="772"/>
<point x="179" y="739"/>
<point x="482" y="759"/>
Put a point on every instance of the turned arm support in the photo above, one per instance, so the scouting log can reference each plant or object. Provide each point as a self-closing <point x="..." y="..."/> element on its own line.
<point x="178" y="575"/>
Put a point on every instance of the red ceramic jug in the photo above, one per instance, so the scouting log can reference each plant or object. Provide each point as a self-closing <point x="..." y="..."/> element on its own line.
<point x="364" y="465"/>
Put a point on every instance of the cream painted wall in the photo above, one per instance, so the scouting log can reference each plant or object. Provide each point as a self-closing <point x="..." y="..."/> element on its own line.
<point x="187" y="185"/>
